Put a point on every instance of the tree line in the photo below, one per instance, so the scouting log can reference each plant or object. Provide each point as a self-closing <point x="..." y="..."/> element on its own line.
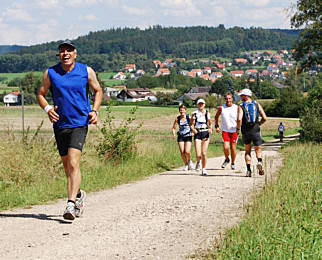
<point x="110" y="50"/>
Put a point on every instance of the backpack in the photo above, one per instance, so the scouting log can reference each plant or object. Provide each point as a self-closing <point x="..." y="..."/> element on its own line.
<point x="250" y="112"/>
<point x="206" y="117"/>
<point x="187" y="118"/>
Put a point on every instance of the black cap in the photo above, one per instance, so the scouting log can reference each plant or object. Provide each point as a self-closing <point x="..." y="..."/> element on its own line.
<point x="67" y="42"/>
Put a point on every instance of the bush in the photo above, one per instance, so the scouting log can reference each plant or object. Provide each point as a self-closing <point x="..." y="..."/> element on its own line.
<point x="119" y="142"/>
<point x="310" y="118"/>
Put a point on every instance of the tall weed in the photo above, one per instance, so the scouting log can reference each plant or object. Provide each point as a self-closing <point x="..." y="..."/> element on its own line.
<point x="118" y="142"/>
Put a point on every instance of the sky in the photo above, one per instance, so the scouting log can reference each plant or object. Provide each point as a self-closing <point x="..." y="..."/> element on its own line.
<point x="30" y="22"/>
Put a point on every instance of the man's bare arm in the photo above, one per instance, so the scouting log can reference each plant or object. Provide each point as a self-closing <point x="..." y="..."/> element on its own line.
<point x="94" y="84"/>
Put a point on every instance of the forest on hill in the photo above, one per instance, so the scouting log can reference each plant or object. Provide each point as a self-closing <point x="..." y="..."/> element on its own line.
<point x="9" y="48"/>
<point x="110" y="50"/>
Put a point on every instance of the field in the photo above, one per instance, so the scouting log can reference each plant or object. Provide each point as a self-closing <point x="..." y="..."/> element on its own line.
<point x="157" y="151"/>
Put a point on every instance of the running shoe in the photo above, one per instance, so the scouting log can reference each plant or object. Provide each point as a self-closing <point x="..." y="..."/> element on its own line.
<point x="190" y="165"/>
<point x="260" y="168"/>
<point x="197" y="166"/>
<point x="79" y="204"/>
<point x="233" y="167"/>
<point x="249" y="173"/>
<point x="225" y="164"/>
<point x="204" y="172"/>
<point x="186" y="168"/>
<point x="69" y="212"/>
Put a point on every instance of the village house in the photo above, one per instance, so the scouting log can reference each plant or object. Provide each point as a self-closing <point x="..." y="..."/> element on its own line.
<point x="199" y="90"/>
<point x="12" y="98"/>
<point x="157" y="63"/>
<point x="241" y="60"/>
<point x="273" y="68"/>
<point x="206" y="70"/>
<point x="252" y="72"/>
<point x="136" y="94"/>
<point x="119" y="76"/>
<point x="221" y="66"/>
<point x="110" y="92"/>
<point x="163" y="72"/>
<point x="129" y="68"/>
<point x="216" y="75"/>
<point x="197" y="71"/>
<point x="236" y="73"/>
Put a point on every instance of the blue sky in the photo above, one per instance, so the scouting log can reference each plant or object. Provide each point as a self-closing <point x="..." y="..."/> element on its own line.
<point x="28" y="22"/>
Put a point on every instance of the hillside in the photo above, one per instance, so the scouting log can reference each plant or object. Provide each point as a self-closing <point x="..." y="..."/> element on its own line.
<point x="109" y="49"/>
<point x="10" y="48"/>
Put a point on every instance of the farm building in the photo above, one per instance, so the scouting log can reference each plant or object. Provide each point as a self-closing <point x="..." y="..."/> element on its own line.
<point x="12" y="98"/>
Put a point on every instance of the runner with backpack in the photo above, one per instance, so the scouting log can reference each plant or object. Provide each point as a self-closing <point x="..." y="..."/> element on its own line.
<point x="184" y="136"/>
<point x="202" y="128"/>
<point x="248" y="117"/>
<point x="281" y="129"/>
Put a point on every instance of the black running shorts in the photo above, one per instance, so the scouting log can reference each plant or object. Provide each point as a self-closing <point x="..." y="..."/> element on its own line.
<point x="184" y="139"/>
<point x="70" y="138"/>
<point x="202" y="135"/>
<point x="254" y="137"/>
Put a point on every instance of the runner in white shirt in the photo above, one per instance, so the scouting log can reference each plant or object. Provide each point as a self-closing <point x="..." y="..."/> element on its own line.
<point x="201" y="126"/>
<point x="229" y="115"/>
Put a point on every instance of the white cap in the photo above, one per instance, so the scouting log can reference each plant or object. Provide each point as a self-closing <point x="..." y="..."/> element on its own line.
<point x="246" y="92"/>
<point x="201" y="101"/>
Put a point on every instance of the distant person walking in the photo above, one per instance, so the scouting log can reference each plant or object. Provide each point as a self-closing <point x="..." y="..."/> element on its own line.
<point x="229" y="116"/>
<point x="248" y="116"/>
<point x="202" y="128"/>
<point x="281" y="129"/>
<point x="184" y="136"/>
<point x="69" y="81"/>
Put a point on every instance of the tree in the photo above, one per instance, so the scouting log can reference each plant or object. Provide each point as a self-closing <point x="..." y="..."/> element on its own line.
<point x="308" y="46"/>
<point x="310" y="116"/>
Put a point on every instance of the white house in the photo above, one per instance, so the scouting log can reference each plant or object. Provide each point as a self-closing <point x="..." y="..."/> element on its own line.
<point x="119" y="76"/>
<point x="11" y="98"/>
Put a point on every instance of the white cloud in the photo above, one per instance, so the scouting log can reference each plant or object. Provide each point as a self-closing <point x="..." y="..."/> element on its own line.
<point x="255" y="3"/>
<point x="82" y="3"/>
<point x="88" y="17"/>
<point x="49" y="4"/>
<point x="180" y="8"/>
<point x="17" y="14"/>
<point x="134" y="10"/>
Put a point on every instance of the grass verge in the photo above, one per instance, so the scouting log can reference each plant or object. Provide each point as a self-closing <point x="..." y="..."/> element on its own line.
<point x="285" y="220"/>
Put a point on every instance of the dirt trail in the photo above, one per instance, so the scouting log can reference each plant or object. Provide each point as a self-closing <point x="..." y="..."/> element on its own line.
<point x="167" y="216"/>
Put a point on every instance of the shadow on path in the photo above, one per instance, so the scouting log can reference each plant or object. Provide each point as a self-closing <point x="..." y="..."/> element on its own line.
<point x="37" y="216"/>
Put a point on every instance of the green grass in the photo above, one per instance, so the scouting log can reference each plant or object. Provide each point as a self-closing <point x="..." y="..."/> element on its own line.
<point x="285" y="220"/>
<point x="12" y="76"/>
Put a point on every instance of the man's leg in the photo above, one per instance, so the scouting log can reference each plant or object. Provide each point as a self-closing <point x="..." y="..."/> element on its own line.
<point x="74" y="177"/>
<point x="258" y="151"/>
<point x="226" y="150"/>
<point x="233" y="147"/>
<point x="248" y="159"/>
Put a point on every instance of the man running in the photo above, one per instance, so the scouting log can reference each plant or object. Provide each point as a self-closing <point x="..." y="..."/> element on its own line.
<point x="281" y="129"/>
<point x="68" y="81"/>
<point x="229" y="116"/>
<point x="250" y="128"/>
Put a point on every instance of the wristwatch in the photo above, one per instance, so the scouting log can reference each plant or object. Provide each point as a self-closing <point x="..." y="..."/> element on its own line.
<point x="95" y="111"/>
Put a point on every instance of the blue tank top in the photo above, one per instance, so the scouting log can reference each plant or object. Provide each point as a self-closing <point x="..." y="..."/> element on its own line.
<point x="69" y="91"/>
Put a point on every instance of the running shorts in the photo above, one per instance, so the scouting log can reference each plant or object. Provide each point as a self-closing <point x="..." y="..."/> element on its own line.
<point x="202" y="135"/>
<point x="70" y="138"/>
<point x="230" y="137"/>
<point x="184" y="138"/>
<point x="254" y="137"/>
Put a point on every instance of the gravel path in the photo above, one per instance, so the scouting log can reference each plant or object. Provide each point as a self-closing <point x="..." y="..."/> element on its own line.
<point x="170" y="215"/>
